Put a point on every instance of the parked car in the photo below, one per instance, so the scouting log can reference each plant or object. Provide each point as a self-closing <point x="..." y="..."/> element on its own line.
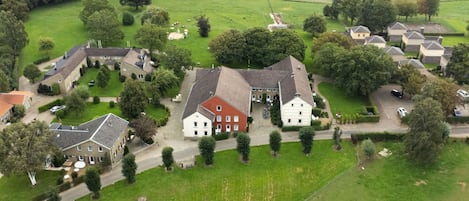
<point x="56" y="108"/>
<point x="463" y="94"/>
<point x="91" y="83"/>
<point x="397" y="93"/>
<point x="456" y="112"/>
<point x="402" y="112"/>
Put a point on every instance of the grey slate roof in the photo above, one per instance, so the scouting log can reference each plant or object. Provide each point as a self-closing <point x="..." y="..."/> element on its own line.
<point x="414" y="35"/>
<point x="104" y="130"/>
<point x="360" y="29"/>
<point x="297" y="83"/>
<point x="432" y="45"/>
<point x="66" y="64"/>
<point x="414" y="62"/>
<point x="397" y="26"/>
<point x="263" y="78"/>
<point x="111" y="51"/>
<point x="393" y="51"/>
<point x="375" y="39"/>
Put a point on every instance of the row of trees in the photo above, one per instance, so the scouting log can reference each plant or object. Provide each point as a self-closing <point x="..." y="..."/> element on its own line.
<point x="256" y="46"/>
<point x="377" y="14"/>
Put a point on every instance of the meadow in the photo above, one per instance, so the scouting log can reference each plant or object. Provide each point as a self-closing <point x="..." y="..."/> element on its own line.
<point x="341" y="102"/>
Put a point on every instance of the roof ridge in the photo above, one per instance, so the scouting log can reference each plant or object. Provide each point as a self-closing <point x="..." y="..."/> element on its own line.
<point x="100" y="125"/>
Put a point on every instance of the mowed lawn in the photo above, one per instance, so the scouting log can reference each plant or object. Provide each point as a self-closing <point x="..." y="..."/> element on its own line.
<point x="396" y="178"/>
<point x="18" y="187"/>
<point x="292" y="176"/>
<point x="341" y="102"/>
<point x="113" y="88"/>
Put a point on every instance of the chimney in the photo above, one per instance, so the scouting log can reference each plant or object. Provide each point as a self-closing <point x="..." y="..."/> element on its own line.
<point x="211" y="93"/>
<point x="66" y="55"/>
<point x="422" y="30"/>
<point x="440" y="40"/>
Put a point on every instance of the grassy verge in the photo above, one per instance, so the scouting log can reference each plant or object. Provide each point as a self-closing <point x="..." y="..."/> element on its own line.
<point x="292" y="176"/>
<point x="18" y="187"/>
<point x="91" y="112"/>
<point x="113" y="88"/>
<point x="340" y="102"/>
<point x="395" y="178"/>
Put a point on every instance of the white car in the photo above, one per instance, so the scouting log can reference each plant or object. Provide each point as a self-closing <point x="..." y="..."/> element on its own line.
<point x="402" y="112"/>
<point x="57" y="108"/>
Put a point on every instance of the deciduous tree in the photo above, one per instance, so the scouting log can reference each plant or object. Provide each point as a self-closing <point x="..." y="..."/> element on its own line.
<point x="410" y="79"/>
<point x="351" y="9"/>
<point x="46" y="44"/>
<point x="93" y="181"/>
<point x="314" y="25"/>
<point x="4" y="82"/>
<point x="32" y="72"/>
<point x="204" y="26"/>
<point x="152" y="37"/>
<point x="336" y="137"/>
<point x="24" y="148"/>
<point x="306" y="135"/>
<point x="103" y="25"/>
<point x="176" y="58"/>
<point x="331" y="37"/>
<point x="277" y="50"/>
<point x="458" y="66"/>
<point x="162" y="80"/>
<point x="406" y="8"/>
<point x="243" y="146"/>
<point x="145" y="127"/>
<point x="129" y="168"/>
<point x="228" y="47"/>
<point x="257" y="42"/>
<point x="275" y="140"/>
<point x="428" y="8"/>
<point x="92" y="6"/>
<point x="135" y="3"/>
<point x="19" y="8"/>
<point x="206" y="148"/>
<point x="444" y="92"/>
<point x="75" y="103"/>
<point x="156" y="16"/>
<point x="133" y="99"/>
<point x="14" y="38"/>
<point x="167" y="156"/>
<point x="377" y="14"/>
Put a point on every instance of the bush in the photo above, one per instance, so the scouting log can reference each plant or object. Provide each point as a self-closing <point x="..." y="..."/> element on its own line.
<point x="41" y="197"/>
<point x="126" y="150"/>
<point x="96" y="100"/>
<point x="221" y="136"/>
<point x="47" y="106"/>
<point x="63" y="187"/>
<point x="377" y="136"/>
<point x="148" y="140"/>
<point x="60" y="114"/>
<point x="97" y="64"/>
<point x="74" y="175"/>
<point x="117" y="66"/>
<point x="148" y="77"/>
<point x="55" y="89"/>
<point x="112" y="104"/>
<point x="457" y="120"/>
<point x="319" y="102"/>
<point x="445" y="34"/>
<point x="44" y="89"/>
<point x="60" y="180"/>
<point x="162" y="122"/>
<point x="317" y="112"/>
<point x="127" y="19"/>
<point x="41" y="60"/>
<point x="315" y="123"/>
<point x="78" y="180"/>
<point x="133" y="76"/>
<point x="122" y="78"/>
<point x="291" y="128"/>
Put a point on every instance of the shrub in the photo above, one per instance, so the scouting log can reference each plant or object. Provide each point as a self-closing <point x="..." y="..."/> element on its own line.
<point x="317" y="112"/>
<point x="60" y="180"/>
<point x="47" y="106"/>
<point x="74" y="175"/>
<point x="126" y="150"/>
<point x="55" y="89"/>
<point x="41" y="60"/>
<point x="112" y="104"/>
<point x="457" y="120"/>
<point x="291" y="128"/>
<point x="133" y="76"/>
<point x="127" y="19"/>
<point x="41" y="197"/>
<point x="319" y="102"/>
<point x="117" y="66"/>
<point x="221" y="136"/>
<point x="376" y="136"/>
<point x="78" y="180"/>
<point x="63" y="187"/>
<point x="60" y="114"/>
<point x="44" y="89"/>
<point x="148" y="140"/>
<point x="96" y="100"/>
<point x="122" y="78"/>
<point x="148" y="77"/>
<point x="315" y="123"/>
<point x="97" y="64"/>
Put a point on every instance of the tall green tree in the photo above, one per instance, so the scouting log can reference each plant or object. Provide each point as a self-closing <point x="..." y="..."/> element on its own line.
<point x="458" y="66"/>
<point x="410" y="79"/>
<point x="277" y="50"/>
<point x="93" y="181"/>
<point x="4" y="82"/>
<point x="104" y="25"/>
<point x="32" y="72"/>
<point x="133" y="99"/>
<point x="129" y="168"/>
<point x="306" y="135"/>
<point x="92" y="6"/>
<point x="378" y="14"/>
<point x="228" y="47"/>
<point x="336" y="137"/>
<point x="206" y="148"/>
<point x="444" y="92"/>
<point x="152" y="37"/>
<point x="406" y="8"/>
<point x="156" y="16"/>
<point x="243" y="142"/>
<point x="135" y="3"/>
<point x="13" y="38"/>
<point x="204" y="26"/>
<point x="314" y="25"/>
<point x="428" y="131"/>
<point x="75" y="103"/>
<point x="162" y="80"/>
<point x="144" y="126"/>
<point x="428" y="8"/>
<point x="351" y="9"/>
<point x="176" y="58"/>
<point x="19" y="8"/>
<point x="24" y="148"/>
<point x="257" y="42"/>
<point x="331" y="37"/>
<point x="368" y="148"/>
<point x="168" y="159"/>
<point x="46" y="44"/>
<point x="275" y="140"/>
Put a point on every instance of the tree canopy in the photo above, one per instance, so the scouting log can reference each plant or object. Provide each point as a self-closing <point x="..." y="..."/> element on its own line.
<point x="228" y="47"/>
<point x="167" y="156"/>
<point x="458" y="66"/>
<point x="46" y="44"/>
<point x="406" y="8"/>
<point x="4" y="82"/>
<point x="176" y="58"/>
<point x="76" y="102"/>
<point x="24" y="148"/>
<point x="204" y="26"/>
<point x="206" y="148"/>
<point x="32" y="72"/>
<point x="306" y="135"/>
<point x="93" y="181"/>
<point x="129" y="168"/>
<point x="428" y="8"/>
<point x="314" y="25"/>
<point x="19" y="8"/>
<point x="378" y="14"/>
<point x="152" y="37"/>
<point x="444" y="92"/>
<point x="350" y="9"/>
<point x="156" y="16"/>
<point x="410" y="79"/>
<point x="275" y="140"/>
<point x="339" y="39"/>
<point x="92" y="6"/>
<point x="135" y="3"/>
<point x="104" y="25"/>
<point x="144" y="126"/>
<point x="243" y="146"/>
<point x="133" y="99"/>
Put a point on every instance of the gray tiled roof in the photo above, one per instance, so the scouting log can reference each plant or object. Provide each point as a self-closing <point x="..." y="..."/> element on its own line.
<point x="414" y="35"/>
<point x="414" y="62"/>
<point x="67" y="64"/>
<point x="432" y="45"/>
<point x="397" y="26"/>
<point x="360" y="29"/>
<point x="375" y="39"/>
<point x="111" y="51"/>
<point x="104" y="130"/>
<point x="204" y="86"/>
<point x="296" y="84"/>
<point x="263" y="78"/>
<point x="393" y="51"/>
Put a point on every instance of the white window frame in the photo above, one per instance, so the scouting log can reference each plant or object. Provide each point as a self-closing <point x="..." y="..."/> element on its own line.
<point x="219" y="126"/>
<point x="90" y="148"/>
<point x="227" y="118"/>
<point x="100" y="148"/>
<point x="236" y="118"/>
<point x="100" y="159"/>
<point x="78" y="147"/>
<point x="289" y="120"/>
<point x="80" y="158"/>
<point x="219" y="108"/>
<point x="235" y="127"/>
<point x="227" y="127"/>
<point x="218" y="118"/>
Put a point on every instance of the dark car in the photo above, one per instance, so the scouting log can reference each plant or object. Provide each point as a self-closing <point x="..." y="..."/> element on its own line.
<point x="397" y="93"/>
<point x="91" y="83"/>
<point x="457" y="113"/>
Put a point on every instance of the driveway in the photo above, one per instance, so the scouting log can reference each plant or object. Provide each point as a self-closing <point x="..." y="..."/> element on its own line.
<point x="387" y="105"/>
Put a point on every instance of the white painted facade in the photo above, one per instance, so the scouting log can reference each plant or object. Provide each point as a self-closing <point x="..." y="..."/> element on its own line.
<point x="431" y="53"/>
<point x="408" y="41"/>
<point x="380" y="45"/>
<point x="358" y="36"/>
<point x="296" y="112"/>
<point x="197" y="125"/>
<point x="396" y="32"/>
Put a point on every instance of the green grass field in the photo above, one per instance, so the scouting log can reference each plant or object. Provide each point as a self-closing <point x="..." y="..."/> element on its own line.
<point x="113" y="89"/>
<point x="18" y="187"/>
<point x="340" y="102"/>
<point x="395" y="178"/>
<point x="292" y="176"/>
<point x="92" y="111"/>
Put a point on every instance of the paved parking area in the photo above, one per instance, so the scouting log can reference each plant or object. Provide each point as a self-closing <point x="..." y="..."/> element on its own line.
<point x="387" y="104"/>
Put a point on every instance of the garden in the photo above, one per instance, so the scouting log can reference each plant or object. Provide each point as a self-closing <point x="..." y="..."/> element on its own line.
<point x="113" y="88"/>
<point x="18" y="187"/>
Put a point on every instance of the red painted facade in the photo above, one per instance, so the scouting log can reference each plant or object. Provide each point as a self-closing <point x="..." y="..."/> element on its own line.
<point x="226" y="109"/>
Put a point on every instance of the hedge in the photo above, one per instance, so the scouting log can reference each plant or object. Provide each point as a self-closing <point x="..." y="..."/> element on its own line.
<point x="457" y="120"/>
<point x="445" y="34"/>
<point x="47" y="106"/>
<point x="41" y="60"/>
<point x="221" y="136"/>
<point x="297" y="128"/>
<point x="376" y="136"/>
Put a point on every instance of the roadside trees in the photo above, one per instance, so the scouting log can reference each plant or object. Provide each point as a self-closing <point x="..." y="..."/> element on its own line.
<point x="243" y="142"/>
<point x="306" y="136"/>
<point x="24" y="148"/>
<point x="133" y="99"/>
<point x="168" y="160"/>
<point x="206" y="148"/>
<point x="458" y="66"/>
<point x="410" y="79"/>
<point x="275" y="141"/>
<point x="444" y="92"/>
<point x="129" y="168"/>
<point x="93" y="182"/>
<point x="314" y="25"/>
<point x="336" y="137"/>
